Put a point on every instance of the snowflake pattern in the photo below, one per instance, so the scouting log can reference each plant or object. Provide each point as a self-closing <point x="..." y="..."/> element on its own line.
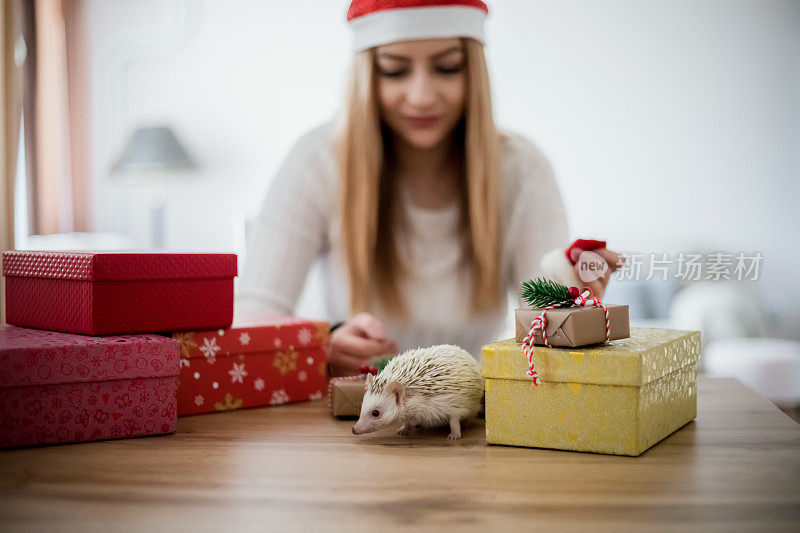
<point x="322" y="332"/>
<point x="278" y="397"/>
<point x="229" y="404"/>
<point x="186" y="341"/>
<point x="259" y="384"/>
<point x="244" y="339"/>
<point x="198" y="400"/>
<point x="184" y="362"/>
<point x="210" y="349"/>
<point x="285" y="361"/>
<point x="304" y="336"/>
<point x="277" y="343"/>
<point x="316" y="396"/>
<point x="302" y="376"/>
<point x="237" y="373"/>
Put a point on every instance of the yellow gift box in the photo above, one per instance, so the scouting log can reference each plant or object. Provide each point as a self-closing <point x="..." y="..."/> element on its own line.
<point x="619" y="398"/>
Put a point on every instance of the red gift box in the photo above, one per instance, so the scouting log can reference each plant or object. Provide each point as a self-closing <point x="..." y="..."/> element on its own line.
<point x="114" y="293"/>
<point x="260" y="360"/>
<point x="57" y="387"/>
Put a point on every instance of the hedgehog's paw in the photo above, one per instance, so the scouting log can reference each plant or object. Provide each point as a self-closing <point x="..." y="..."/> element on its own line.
<point x="455" y="429"/>
<point x="405" y="429"/>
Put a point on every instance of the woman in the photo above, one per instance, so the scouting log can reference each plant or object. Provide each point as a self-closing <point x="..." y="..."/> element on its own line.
<point x="423" y="214"/>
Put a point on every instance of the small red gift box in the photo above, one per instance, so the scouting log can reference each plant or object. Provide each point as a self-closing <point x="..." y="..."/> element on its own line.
<point x="114" y="293"/>
<point x="261" y="359"/>
<point x="57" y="387"/>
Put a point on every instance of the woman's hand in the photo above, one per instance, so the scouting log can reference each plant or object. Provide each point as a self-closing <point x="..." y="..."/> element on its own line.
<point x="596" y="278"/>
<point x="356" y="342"/>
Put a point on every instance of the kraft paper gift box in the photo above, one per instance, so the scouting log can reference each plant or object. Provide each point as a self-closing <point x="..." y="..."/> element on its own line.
<point x="58" y="387"/>
<point x="575" y="326"/>
<point x="616" y="398"/>
<point x="345" y="395"/>
<point x="100" y="293"/>
<point x="262" y="359"/>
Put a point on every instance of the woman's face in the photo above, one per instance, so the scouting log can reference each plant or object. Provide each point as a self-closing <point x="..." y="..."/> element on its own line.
<point x="421" y="89"/>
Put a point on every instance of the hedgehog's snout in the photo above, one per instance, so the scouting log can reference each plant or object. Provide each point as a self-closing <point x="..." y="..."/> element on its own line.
<point x="359" y="428"/>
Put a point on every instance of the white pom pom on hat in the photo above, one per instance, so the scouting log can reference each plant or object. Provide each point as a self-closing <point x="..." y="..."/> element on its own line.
<point x="377" y="22"/>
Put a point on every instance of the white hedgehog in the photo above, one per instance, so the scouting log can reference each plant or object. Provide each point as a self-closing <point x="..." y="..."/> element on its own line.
<point x="423" y="387"/>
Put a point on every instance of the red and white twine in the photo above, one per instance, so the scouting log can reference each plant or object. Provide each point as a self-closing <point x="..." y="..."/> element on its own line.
<point x="586" y="299"/>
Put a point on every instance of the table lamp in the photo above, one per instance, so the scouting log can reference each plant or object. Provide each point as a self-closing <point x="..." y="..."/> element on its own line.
<point x="154" y="151"/>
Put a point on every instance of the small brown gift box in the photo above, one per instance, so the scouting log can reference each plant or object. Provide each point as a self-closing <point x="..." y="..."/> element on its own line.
<point x="575" y="326"/>
<point x="345" y="395"/>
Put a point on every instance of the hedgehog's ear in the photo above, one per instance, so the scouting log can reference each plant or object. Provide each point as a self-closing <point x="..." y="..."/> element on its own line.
<point x="368" y="382"/>
<point x="396" y="388"/>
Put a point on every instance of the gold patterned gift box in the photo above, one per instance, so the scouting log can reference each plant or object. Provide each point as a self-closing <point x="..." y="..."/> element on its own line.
<point x="618" y="398"/>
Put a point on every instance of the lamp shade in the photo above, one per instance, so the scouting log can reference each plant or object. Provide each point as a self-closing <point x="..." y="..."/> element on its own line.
<point x="152" y="149"/>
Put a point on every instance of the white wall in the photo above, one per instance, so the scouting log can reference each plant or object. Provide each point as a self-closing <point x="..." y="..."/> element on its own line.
<point x="238" y="81"/>
<point x="672" y="125"/>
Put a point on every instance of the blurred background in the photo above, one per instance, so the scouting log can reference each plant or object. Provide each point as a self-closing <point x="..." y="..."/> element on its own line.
<point x="673" y="127"/>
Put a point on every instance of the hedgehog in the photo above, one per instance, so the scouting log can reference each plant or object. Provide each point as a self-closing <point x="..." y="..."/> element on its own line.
<point x="423" y="387"/>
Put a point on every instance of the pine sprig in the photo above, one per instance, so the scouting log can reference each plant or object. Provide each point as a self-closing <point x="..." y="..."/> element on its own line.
<point x="380" y="362"/>
<point x="541" y="292"/>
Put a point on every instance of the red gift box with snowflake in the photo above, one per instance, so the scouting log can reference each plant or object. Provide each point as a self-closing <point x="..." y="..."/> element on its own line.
<point x="262" y="359"/>
<point x="59" y="387"/>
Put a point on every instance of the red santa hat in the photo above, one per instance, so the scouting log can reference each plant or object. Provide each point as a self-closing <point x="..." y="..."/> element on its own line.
<point x="377" y="22"/>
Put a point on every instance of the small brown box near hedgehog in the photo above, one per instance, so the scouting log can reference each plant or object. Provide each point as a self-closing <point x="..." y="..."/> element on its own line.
<point x="345" y="396"/>
<point x="423" y="387"/>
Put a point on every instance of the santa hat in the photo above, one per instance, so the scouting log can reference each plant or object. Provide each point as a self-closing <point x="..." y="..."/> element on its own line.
<point x="377" y="22"/>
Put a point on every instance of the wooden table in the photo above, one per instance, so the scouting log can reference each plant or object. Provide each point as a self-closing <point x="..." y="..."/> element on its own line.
<point x="294" y="468"/>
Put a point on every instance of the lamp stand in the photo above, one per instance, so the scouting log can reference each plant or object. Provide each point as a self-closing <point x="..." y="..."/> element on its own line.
<point x="158" y="207"/>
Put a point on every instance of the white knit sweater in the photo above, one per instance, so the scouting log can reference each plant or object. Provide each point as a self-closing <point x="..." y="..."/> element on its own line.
<point x="299" y="223"/>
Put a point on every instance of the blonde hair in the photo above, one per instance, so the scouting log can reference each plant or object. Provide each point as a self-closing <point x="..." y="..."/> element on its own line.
<point x="369" y="216"/>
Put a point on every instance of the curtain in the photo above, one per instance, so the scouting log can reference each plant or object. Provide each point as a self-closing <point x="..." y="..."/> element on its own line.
<point x="12" y="51"/>
<point x="55" y="117"/>
<point x="78" y="102"/>
<point x="57" y="181"/>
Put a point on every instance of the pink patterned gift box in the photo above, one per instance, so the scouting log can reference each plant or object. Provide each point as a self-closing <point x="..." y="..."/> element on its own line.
<point x="59" y="387"/>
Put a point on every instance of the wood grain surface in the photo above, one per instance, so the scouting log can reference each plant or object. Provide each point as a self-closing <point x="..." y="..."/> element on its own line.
<point x="737" y="467"/>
